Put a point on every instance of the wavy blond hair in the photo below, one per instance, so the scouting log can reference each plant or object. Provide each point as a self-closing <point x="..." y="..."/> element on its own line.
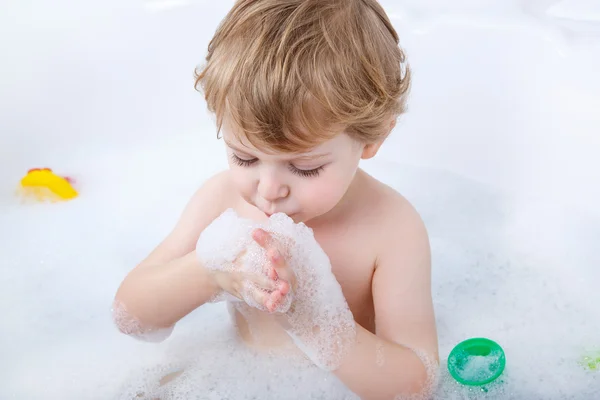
<point x="293" y="73"/>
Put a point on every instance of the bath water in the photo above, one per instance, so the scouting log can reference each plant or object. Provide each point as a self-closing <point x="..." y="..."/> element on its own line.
<point x="522" y="272"/>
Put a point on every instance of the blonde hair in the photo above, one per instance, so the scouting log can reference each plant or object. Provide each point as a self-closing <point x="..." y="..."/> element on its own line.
<point x="293" y="73"/>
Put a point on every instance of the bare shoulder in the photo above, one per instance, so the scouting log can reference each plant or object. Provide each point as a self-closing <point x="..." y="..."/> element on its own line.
<point x="214" y="196"/>
<point x="396" y="219"/>
<point x="402" y="223"/>
<point x="404" y="242"/>
<point x="403" y="238"/>
<point x="209" y="201"/>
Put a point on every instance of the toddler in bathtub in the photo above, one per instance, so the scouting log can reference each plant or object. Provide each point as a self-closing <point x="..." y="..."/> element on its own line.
<point x="318" y="254"/>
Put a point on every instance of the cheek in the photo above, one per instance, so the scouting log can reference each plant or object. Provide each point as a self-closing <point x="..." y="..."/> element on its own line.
<point x="335" y="183"/>
<point x="324" y="193"/>
<point x="243" y="181"/>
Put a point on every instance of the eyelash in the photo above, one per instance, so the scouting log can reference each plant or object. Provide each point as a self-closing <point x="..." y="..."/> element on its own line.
<point x="300" y="172"/>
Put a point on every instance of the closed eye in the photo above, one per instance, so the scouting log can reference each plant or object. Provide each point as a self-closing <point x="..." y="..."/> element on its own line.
<point x="243" y="162"/>
<point x="306" y="173"/>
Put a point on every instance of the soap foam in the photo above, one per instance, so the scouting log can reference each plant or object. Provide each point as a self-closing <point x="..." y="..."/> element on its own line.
<point x="478" y="368"/>
<point x="432" y="381"/>
<point x="227" y="245"/>
<point x="319" y="320"/>
<point x="218" y="365"/>
<point x="130" y="325"/>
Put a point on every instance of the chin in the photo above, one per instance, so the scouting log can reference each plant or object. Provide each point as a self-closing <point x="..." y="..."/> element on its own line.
<point x="297" y="218"/>
<point x="301" y="217"/>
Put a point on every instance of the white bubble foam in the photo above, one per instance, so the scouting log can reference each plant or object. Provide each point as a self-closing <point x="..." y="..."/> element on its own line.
<point x="432" y="380"/>
<point x="320" y="321"/>
<point x="130" y="325"/>
<point x="217" y="365"/>
<point x="478" y="368"/>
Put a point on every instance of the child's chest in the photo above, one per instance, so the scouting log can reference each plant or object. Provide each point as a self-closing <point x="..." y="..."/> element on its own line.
<point x="353" y="262"/>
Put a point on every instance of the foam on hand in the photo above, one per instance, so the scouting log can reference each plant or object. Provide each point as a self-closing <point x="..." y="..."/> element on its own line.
<point x="319" y="319"/>
<point x="227" y="245"/>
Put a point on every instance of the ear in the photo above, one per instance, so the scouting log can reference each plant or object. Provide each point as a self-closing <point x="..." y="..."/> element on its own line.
<point x="370" y="150"/>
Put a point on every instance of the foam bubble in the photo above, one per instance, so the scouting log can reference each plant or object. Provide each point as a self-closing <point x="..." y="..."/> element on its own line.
<point x="432" y="381"/>
<point x="478" y="368"/>
<point x="217" y="365"/>
<point x="319" y="320"/>
<point x="226" y="245"/>
<point x="130" y="325"/>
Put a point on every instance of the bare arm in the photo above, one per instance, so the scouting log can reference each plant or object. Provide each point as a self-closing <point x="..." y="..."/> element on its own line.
<point x="383" y="366"/>
<point x="171" y="282"/>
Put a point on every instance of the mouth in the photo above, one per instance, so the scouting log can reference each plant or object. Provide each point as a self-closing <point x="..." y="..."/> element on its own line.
<point x="269" y="214"/>
<point x="278" y="212"/>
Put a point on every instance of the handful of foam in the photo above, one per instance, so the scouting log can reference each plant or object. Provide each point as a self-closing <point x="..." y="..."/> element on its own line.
<point x="317" y="315"/>
<point x="227" y="245"/>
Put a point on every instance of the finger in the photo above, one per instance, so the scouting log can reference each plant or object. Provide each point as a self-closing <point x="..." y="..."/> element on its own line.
<point x="263" y="238"/>
<point x="261" y="281"/>
<point x="258" y="295"/>
<point x="281" y="268"/>
<point x="268" y="300"/>
<point x="280" y="271"/>
<point x="270" y="271"/>
<point x="275" y="257"/>
<point x="272" y="274"/>
<point x="273" y="301"/>
<point x="283" y="287"/>
<point x="260" y="236"/>
<point x="263" y="298"/>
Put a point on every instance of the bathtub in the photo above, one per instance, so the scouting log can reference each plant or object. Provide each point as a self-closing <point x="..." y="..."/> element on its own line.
<point x="498" y="152"/>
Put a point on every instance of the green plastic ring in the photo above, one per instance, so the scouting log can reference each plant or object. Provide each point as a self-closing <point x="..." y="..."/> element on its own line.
<point x="476" y="362"/>
<point x="591" y="360"/>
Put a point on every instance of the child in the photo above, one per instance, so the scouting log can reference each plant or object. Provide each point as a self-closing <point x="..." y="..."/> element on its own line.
<point x="302" y="90"/>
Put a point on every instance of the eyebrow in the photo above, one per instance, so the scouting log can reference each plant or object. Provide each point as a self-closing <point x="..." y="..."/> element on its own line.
<point x="299" y="157"/>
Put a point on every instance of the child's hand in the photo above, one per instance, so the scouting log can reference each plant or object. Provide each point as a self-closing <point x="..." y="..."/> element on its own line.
<point x="318" y="320"/>
<point x="244" y="285"/>
<point x="278" y="272"/>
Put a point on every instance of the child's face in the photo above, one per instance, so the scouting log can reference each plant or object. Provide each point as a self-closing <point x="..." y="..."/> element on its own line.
<point x="301" y="185"/>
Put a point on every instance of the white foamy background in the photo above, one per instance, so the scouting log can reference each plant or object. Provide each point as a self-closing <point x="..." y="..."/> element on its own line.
<point x="505" y="92"/>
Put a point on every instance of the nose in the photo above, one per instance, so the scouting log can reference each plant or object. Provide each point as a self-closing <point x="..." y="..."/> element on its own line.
<point x="271" y="188"/>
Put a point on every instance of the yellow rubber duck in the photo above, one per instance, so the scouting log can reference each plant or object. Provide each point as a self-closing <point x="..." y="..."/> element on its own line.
<point x="43" y="184"/>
